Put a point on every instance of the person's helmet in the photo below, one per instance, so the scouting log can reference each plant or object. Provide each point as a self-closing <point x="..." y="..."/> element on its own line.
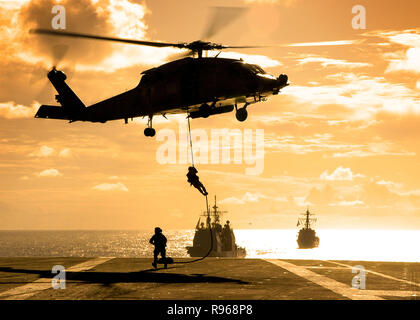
<point x="191" y="168"/>
<point x="157" y="230"/>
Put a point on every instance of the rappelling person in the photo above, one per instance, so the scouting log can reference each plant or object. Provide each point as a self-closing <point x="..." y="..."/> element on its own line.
<point x="194" y="180"/>
<point x="159" y="241"/>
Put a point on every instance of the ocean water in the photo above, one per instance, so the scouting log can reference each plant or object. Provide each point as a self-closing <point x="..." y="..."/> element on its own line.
<point x="369" y="245"/>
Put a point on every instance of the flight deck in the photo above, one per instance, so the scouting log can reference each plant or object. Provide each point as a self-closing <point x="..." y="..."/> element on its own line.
<point x="107" y="278"/>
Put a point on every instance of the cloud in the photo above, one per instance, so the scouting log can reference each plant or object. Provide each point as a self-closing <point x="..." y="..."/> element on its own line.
<point x="111" y="187"/>
<point x="324" y="43"/>
<point x="345" y="203"/>
<point x="84" y="17"/>
<point x="328" y="62"/>
<point x="246" y="198"/>
<point x="320" y="196"/>
<point x="374" y="149"/>
<point x="12" y="4"/>
<point x="117" y="178"/>
<point x="390" y="184"/>
<point x="44" y="151"/>
<point x="408" y="60"/>
<point x="409" y="38"/>
<point x="366" y="96"/>
<point x="337" y="122"/>
<point x="280" y="199"/>
<point x="307" y="144"/>
<point x="50" y="173"/>
<point x="302" y="201"/>
<point x="249" y="197"/>
<point x="115" y="18"/>
<point x="11" y="110"/>
<point x="340" y="174"/>
<point x="65" y="153"/>
<point x="379" y="195"/>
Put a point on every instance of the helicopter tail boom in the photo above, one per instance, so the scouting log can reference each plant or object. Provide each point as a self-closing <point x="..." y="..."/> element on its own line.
<point x="52" y="112"/>
<point x="71" y="108"/>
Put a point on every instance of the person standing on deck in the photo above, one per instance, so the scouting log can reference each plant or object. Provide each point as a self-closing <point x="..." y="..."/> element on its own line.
<point x="159" y="241"/>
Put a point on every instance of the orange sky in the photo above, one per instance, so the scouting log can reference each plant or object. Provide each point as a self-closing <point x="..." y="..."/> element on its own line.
<point x="343" y="138"/>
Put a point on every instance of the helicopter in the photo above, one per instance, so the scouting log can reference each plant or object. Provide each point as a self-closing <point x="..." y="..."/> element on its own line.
<point x="195" y="85"/>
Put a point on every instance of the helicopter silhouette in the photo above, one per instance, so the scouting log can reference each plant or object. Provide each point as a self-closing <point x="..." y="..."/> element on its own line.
<point x="195" y="85"/>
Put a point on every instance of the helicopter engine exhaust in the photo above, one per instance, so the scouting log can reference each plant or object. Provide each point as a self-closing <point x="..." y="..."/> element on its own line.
<point x="211" y="111"/>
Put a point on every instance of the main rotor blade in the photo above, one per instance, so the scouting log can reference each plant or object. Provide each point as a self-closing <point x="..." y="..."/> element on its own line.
<point x="323" y="43"/>
<point x="89" y="36"/>
<point x="222" y="17"/>
<point x="244" y="47"/>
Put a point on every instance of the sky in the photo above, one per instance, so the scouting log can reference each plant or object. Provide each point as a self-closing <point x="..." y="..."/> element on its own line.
<point x="342" y="139"/>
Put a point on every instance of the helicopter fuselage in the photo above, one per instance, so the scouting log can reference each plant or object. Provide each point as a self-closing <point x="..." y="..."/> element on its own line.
<point x="187" y="85"/>
<point x="200" y="87"/>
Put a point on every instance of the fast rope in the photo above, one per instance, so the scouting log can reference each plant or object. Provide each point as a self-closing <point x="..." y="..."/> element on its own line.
<point x="211" y="239"/>
<point x="191" y="147"/>
<point x="207" y="205"/>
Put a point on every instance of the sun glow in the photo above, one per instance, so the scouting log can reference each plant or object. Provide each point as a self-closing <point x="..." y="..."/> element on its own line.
<point x="335" y="244"/>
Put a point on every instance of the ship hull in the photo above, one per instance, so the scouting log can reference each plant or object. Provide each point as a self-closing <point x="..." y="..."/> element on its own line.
<point x="212" y="235"/>
<point x="307" y="239"/>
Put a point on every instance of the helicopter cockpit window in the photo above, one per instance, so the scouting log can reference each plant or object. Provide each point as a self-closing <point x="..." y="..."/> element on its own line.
<point x="255" y="68"/>
<point x="145" y="79"/>
<point x="148" y="78"/>
<point x="240" y="69"/>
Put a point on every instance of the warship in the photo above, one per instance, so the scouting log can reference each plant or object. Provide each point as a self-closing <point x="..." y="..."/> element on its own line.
<point x="211" y="234"/>
<point x="307" y="238"/>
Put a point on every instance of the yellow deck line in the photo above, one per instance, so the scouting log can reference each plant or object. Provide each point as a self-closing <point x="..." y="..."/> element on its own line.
<point x="378" y="274"/>
<point x="394" y="293"/>
<point x="330" y="284"/>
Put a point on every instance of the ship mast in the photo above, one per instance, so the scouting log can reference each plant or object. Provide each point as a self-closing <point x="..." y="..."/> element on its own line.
<point x="307" y="220"/>
<point x="215" y="214"/>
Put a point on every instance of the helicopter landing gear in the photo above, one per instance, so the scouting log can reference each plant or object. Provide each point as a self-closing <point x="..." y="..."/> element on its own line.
<point x="241" y="113"/>
<point x="149" y="131"/>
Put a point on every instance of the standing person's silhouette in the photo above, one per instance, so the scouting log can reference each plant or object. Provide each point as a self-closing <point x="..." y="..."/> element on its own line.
<point x="159" y="241"/>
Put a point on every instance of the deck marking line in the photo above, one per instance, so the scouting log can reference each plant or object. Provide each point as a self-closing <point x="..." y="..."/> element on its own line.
<point x="378" y="274"/>
<point x="394" y="293"/>
<point x="323" y="281"/>
<point x="30" y="289"/>
<point x="328" y="268"/>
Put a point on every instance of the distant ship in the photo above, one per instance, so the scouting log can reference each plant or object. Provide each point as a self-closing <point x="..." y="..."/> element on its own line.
<point x="224" y="243"/>
<point x="307" y="238"/>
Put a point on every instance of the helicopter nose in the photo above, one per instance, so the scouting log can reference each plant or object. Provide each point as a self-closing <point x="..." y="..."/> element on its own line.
<point x="282" y="79"/>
